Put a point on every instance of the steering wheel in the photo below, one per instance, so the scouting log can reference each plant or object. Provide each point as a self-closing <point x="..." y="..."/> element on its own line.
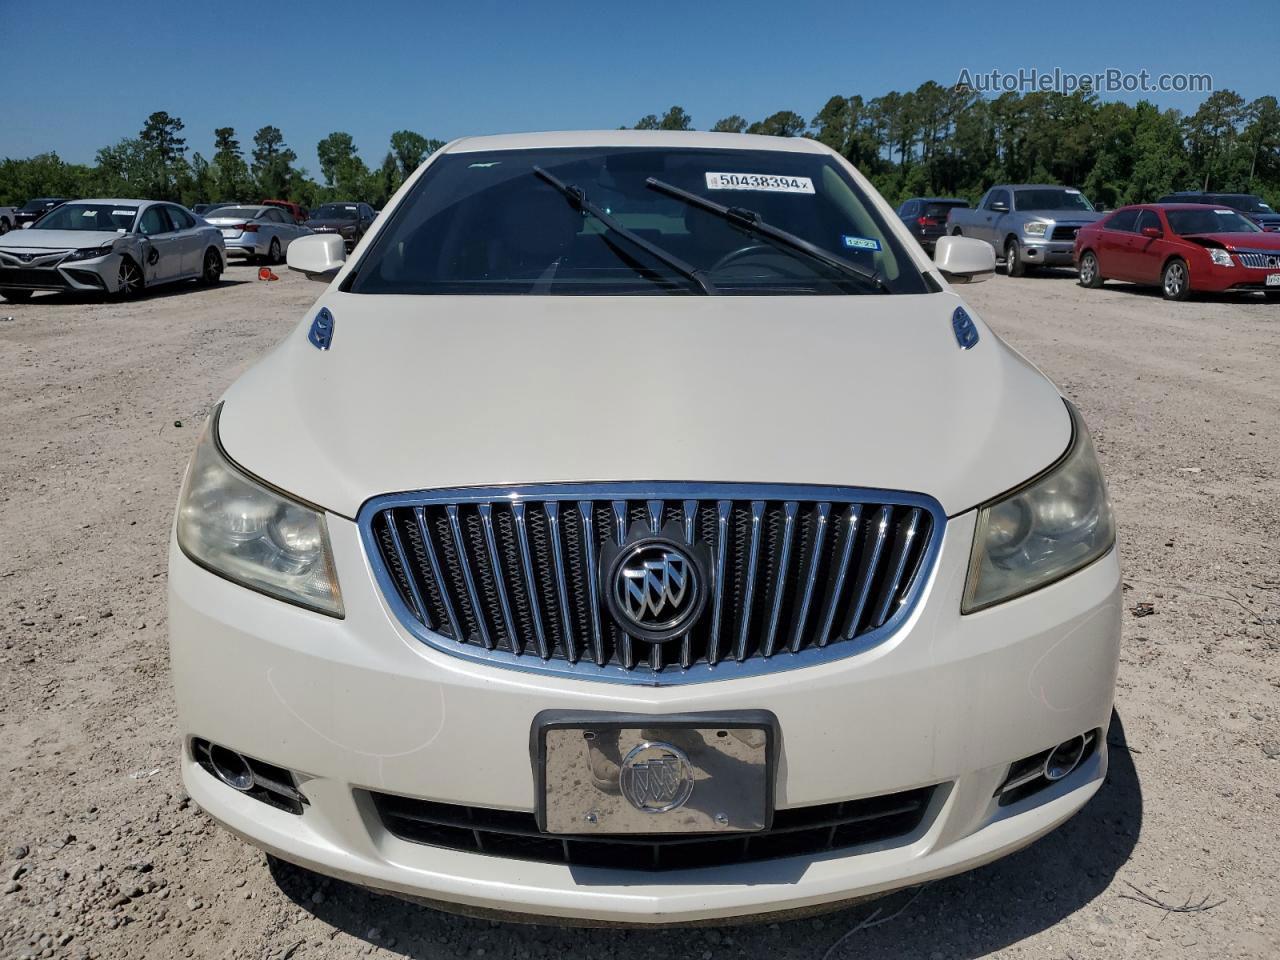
<point x="779" y="264"/>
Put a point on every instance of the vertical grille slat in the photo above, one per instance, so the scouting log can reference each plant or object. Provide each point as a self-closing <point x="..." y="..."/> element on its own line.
<point x="455" y="625"/>
<point x="821" y="522"/>
<point x="531" y="581"/>
<point x="790" y="509"/>
<point x="848" y="536"/>
<point x="473" y="595"/>
<point x="866" y="575"/>
<point x="514" y="576"/>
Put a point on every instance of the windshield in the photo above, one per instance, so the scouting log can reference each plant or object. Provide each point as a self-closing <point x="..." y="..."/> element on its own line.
<point x="487" y="223"/>
<point x="35" y="206"/>
<point x="1052" y="198"/>
<point x="940" y="208"/>
<point x="87" y="216"/>
<point x="335" y="211"/>
<point x="1245" y="203"/>
<point x="1187" y="223"/>
<point x="233" y="213"/>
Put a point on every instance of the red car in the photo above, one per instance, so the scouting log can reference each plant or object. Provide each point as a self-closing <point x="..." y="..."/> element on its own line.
<point x="299" y="213"/>
<point x="1183" y="248"/>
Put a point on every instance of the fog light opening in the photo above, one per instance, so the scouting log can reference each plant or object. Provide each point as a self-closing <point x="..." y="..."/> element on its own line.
<point x="231" y="768"/>
<point x="1064" y="758"/>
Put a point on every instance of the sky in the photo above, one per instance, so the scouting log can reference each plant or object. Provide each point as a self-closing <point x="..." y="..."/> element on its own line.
<point x="80" y="74"/>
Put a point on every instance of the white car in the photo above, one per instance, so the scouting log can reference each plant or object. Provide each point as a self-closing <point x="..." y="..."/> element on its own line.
<point x="640" y="529"/>
<point x="256" y="231"/>
<point x="118" y="247"/>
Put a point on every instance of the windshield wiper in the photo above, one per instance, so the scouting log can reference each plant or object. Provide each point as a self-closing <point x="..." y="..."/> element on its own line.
<point x="751" y="221"/>
<point x="578" y="198"/>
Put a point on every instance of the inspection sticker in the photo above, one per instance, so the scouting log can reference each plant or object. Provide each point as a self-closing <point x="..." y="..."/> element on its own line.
<point x="861" y="243"/>
<point x="1228" y="212"/>
<point x="759" y="181"/>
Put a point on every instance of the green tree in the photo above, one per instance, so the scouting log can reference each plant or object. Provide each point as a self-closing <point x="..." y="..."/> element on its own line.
<point x="230" y="172"/>
<point x="784" y="123"/>
<point x="334" y="151"/>
<point x="675" y="119"/>
<point x="410" y="149"/>
<point x="648" y="122"/>
<point x="272" y="161"/>
<point x="160" y="138"/>
<point x="730" y="124"/>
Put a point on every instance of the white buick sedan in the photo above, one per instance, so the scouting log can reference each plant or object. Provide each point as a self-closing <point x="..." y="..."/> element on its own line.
<point x="119" y="247"/>
<point x="640" y="529"/>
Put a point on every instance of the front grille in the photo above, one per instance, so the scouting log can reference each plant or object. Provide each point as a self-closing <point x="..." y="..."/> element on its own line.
<point x="801" y="831"/>
<point x="512" y="575"/>
<point x="1064" y="233"/>
<point x="1259" y="260"/>
<point x="31" y="277"/>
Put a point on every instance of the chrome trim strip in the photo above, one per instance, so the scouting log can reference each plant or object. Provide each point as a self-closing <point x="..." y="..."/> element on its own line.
<point x="562" y="583"/>
<point x="790" y="509"/>
<point x="619" y="537"/>
<point x="723" y="509"/>
<point x="585" y="508"/>
<point x="420" y="608"/>
<point x="655" y="515"/>
<point x="749" y="593"/>
<point x="531" y="583"/>
<point x="572" y="494"/>
<point x="455" y="625"/>
<point x="499" y="584"/>
<point x="690" y="508"/>
<point x="869" y="576"/>
<point x="811" y="578"/>
<point x="853" y="516"/>
<point x="898" y="564"/>
<point x="459" y="544"/>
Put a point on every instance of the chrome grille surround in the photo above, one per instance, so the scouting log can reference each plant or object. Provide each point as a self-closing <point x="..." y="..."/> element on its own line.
<point x="781" y="552"/>
<point x="1259" y="259"/>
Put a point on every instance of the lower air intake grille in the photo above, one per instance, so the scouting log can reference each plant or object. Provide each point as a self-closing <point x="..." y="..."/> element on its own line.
<point x="514" y="576"/>
<point x="800" y="831"/>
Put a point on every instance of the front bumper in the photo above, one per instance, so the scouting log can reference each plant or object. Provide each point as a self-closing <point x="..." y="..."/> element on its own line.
<point x="1048" y="253"/>
<point x="359" y="705"/>
<point x="88" y="276"/>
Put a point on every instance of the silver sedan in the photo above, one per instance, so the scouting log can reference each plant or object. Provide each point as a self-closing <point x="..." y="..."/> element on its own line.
<point x="109" y="246"/>
<point x="256" y="231"/>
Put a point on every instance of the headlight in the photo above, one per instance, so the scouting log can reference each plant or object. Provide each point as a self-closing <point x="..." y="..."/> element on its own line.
<point x="248" y="533"/>
<point x="1035" y="228"/>
<point x="1220" y="257"/>
<point x="87" y="253"/>
<point x="1049" y="528"/>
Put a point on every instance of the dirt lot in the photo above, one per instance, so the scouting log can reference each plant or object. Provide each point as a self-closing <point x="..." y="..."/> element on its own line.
<point x="101" y="854"/>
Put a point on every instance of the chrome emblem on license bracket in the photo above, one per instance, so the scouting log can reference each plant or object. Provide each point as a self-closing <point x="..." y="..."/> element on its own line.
<point x="656" y="777"/>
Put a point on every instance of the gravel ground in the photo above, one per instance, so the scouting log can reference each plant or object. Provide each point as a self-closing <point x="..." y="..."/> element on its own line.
<point x="102" y="855"/>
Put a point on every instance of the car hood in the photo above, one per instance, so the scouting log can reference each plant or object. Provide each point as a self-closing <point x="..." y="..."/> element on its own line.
<point x="56" y="239"/>
<point x="1240" y="241"/>
<point x="430" y="392"/>
<point x="1065" y="216"/>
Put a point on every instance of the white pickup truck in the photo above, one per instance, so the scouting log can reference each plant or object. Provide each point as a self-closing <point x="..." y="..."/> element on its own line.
<point x="1029" y="224"/>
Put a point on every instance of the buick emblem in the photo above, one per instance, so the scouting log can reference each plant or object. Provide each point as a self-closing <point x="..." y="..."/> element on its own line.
<point x="656" y="777"/>
<point x="654" y="587"/>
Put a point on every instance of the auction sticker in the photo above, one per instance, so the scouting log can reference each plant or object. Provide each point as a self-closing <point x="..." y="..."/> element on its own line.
<point x="769" y="182"/>
<point x="860" y="243"/>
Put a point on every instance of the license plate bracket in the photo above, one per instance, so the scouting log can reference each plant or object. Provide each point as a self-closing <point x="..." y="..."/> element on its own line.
<point x="1273" y="280"/>
<point x="599" y="774"/>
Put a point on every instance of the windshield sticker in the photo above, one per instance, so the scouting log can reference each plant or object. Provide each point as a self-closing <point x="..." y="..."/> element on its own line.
<point x="1228" y="212"/>
<point x="483" y="166"/>
<point x="123" y="213"/>
<point x="759" y="181"/>
<point x="860" y="243"/>
<point x="1070" y="190"/>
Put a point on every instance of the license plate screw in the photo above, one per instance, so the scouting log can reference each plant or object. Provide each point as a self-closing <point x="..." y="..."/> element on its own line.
<point x="592" y="817"/>
<point x="722" y="819"/>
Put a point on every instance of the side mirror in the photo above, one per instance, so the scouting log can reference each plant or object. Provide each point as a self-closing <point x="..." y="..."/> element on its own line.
<point x="319" y="255"/>
<point x="964" y="259"/>
<point x="1152" y="233"/>
<point x="999" y="206"/>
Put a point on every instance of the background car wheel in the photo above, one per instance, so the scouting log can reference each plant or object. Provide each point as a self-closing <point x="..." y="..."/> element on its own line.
<point x="16" y="296"/>
<point x="1090" y="275"/>
<point x="129" y="280"/>
<point x="957" y="232"/>
<point x="1175" y="284"/>
<point x="273" y="254"/>
<point x="1013" y="264"/>
<point x="212" y="271"/>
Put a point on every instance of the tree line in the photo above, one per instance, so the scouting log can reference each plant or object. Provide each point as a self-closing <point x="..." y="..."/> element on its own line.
<point x="933" y="140"/>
